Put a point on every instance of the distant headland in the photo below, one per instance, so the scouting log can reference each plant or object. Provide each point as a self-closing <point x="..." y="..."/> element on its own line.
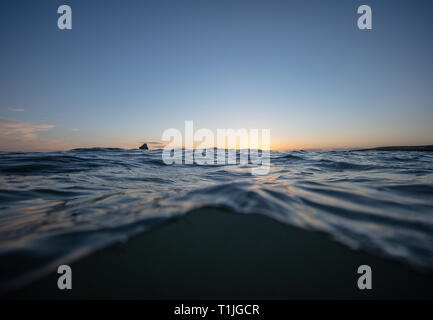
<point x="428" y="148"/>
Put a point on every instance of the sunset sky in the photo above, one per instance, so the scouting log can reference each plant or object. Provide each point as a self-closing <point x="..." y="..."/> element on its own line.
<point x="128" y="70"/>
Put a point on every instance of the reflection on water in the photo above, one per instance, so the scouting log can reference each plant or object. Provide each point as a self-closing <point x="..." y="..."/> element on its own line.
<point x="63" y="204"/>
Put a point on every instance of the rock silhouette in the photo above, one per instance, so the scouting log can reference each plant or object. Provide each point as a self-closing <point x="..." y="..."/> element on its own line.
<point x="144" y="147"/>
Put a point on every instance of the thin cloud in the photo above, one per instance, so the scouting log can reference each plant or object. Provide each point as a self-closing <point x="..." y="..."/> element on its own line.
<point x="16" y="109"/>
<point x="21" y="130"/>
<point x="157" y="144"/>
<point x="23" y="136"/>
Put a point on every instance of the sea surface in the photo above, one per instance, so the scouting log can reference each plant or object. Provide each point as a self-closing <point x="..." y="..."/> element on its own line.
<point x="59" y="206"/>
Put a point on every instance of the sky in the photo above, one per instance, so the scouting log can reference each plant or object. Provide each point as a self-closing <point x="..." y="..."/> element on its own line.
<point x="128" y="70"/>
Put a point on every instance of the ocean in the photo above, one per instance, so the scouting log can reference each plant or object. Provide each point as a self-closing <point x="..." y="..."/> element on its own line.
<point x="59" y="206"/>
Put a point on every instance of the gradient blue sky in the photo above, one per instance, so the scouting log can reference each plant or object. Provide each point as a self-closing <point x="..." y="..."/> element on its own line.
<point x="128" y="70"/>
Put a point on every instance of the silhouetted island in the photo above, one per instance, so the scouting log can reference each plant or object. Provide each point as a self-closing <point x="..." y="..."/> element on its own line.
<point x="400" y="148"/>
<point x="144" y="147"/>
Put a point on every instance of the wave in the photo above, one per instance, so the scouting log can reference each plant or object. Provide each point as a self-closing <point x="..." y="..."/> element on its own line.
<point x="63" y="204"/>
